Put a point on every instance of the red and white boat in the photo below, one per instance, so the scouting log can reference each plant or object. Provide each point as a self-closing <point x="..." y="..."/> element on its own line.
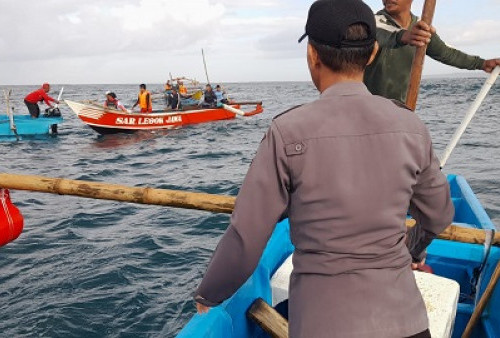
<point x="111" y="121"/>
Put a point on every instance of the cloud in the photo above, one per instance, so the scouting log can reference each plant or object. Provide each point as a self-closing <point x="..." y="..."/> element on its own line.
<point x="478" y="32"/>
<point x="75" y="28"/>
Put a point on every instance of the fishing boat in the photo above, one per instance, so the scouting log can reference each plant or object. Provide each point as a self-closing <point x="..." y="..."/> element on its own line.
<point x="470" y="265"/>
<point x="26" y="125"/>
<point x="111" y="121"/>
<point x="18" y="125"/>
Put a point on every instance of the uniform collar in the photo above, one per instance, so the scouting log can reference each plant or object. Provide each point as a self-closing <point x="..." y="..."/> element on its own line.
<point x="345" y="89"/>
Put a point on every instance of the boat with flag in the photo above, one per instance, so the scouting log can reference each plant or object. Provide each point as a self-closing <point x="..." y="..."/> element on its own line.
<point x="111" y="121"/>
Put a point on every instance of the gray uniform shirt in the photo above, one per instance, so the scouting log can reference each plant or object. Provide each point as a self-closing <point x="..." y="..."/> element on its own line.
<point x="345" y="169"/>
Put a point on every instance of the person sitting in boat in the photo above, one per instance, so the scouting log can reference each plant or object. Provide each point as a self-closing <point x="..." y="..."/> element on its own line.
<point x="144" y="100"/>
<point x="182" y="89"/>
<point x="344" y="178"/>
<point x="399" y="33"/>
<point x="31" y="100"/>
<point x="113" y="102"/>
<point x="209" y="97"/>
<point x="221" y="95"/>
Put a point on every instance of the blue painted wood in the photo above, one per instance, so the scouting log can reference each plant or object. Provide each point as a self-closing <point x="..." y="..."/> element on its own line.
<point x="449" y="259"/>
<point x="26" y="125"/>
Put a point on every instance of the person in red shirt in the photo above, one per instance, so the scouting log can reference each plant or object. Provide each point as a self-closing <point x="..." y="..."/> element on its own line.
<point x="31" y="100"/>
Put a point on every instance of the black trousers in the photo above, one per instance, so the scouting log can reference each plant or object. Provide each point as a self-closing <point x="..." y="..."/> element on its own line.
<point x="33" y="109"/>
<point x="282" y="309"/>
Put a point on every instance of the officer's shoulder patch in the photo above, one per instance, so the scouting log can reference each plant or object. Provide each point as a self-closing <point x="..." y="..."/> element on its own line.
<point x="286" y="111"/>
<point x="401" y="105"/>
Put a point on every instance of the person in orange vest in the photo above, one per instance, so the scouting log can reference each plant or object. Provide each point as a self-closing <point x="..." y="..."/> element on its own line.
<point x="182" y="89"/>
<point x="144" y="100"/>
<point x="31" y="100"/>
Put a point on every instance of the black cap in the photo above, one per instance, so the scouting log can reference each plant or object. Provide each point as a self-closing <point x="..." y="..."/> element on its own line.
<point x="328" y="21"/>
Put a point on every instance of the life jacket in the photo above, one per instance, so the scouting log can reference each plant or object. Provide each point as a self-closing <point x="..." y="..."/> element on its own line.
<point x="143" y="101"/>
<point x="11" y="219"/>
<point x="168" y="87"/>
<point x="183" y="90"/>
<point x="112" y="104"/>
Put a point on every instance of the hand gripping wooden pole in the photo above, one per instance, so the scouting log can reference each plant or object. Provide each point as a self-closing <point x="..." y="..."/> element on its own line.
<point x="418" y="59"/>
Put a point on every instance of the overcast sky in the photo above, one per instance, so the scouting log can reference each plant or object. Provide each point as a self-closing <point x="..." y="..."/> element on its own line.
<point x="126" y="41"/>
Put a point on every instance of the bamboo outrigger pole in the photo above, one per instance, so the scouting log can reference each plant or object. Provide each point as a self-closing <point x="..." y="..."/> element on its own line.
<point x="418" y="59"/>
<point x="177" y="199"/>
<point x="106" y="191"/>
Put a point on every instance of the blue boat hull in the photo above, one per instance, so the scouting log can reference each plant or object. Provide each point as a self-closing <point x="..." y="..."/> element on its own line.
<point x="453" y="260"/>
<point x="26" y="125"/>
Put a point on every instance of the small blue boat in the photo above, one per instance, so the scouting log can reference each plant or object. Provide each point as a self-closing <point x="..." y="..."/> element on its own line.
<point x="471" y="265"/>
<point x="26" y="125"/>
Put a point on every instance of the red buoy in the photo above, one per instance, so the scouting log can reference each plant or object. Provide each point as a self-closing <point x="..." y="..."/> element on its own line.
<point x="11" y="220"/>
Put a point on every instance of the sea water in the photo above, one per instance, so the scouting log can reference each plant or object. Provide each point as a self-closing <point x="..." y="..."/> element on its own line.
<point x="94" y="268"/>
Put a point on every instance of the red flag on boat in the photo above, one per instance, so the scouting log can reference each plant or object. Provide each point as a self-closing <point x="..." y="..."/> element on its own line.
<point x="11" y="220"/>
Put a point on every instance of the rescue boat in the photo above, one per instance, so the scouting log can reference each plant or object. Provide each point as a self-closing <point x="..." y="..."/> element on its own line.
<point x="461" y="274"/>
<point x="111" y="121"/>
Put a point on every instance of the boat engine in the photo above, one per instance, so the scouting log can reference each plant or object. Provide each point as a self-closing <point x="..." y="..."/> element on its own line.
<point x="11" y="219"/>
<point x="52" y="112"/>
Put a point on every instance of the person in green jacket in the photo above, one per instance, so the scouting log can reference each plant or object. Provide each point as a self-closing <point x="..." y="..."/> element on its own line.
<point x="399" y="32"/>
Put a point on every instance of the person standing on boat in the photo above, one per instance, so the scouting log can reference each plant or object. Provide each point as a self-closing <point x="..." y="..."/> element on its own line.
<point x="344" y="169"/>
<point x="168" y="92"/>
<point x="144" y="100"/>
<point x="113" y="102"/>
<point x="399" y="32"/>
<point x="31" y="100"/>
<point x="175" y="102"/>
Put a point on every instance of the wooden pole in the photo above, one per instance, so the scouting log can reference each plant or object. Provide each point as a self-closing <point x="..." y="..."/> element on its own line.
<point x="467" y="235"/>
<point x="205" y="65"/>
<point x="490" y="81"/>
<point x="246" y="103"/>
<point x="144" y="195"/>
<point x="418" y="60"/>
<point x="268" y="319"/>
<point x="10" y="114"/>
<point x="177" y="199"/>
<point x="233" y="110"/>
<point x="476" y="315"/>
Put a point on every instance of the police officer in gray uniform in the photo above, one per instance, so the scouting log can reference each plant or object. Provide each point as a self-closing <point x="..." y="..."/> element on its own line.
<point x="345" y="169"/>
